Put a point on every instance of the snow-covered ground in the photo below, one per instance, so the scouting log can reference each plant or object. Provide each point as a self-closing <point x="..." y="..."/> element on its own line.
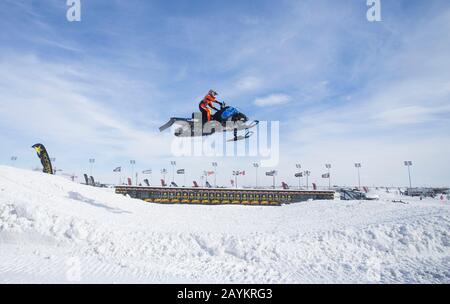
<point x="53" y="230"/>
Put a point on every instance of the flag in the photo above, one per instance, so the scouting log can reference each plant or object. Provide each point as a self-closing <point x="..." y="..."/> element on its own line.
<point x="271" y="173"/>
<point x="147" y="171"/>
<point x="86" y="178"/>
<point x="326" y="175"/>
<point x="118" y="169"/>
<point x="181" y="171"/>
<point x="45" y="159"/>
<point x="299" y="174"/>
<point x="238" y="173"/>
<point x="232" y="182"/>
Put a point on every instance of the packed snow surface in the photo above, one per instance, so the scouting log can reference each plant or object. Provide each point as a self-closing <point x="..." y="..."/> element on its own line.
<point x="54" y="230"/>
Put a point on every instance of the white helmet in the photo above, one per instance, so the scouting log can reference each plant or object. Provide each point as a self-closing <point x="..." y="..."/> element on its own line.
<point x="212" y="93"/>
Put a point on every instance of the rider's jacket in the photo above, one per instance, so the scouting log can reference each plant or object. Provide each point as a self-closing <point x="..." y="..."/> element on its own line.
<point x="207" y="101"/>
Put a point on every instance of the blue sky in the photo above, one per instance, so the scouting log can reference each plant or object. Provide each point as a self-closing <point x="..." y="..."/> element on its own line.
<point x="345" y="90"/>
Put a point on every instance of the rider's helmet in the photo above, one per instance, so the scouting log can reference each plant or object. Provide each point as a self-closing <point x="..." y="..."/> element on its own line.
<point x="212" y="93"/>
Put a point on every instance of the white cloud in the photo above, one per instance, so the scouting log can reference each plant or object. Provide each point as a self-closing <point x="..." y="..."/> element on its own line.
<point x="410" y="115"/>
<point x="273" y="100"/>
<point x="43" y="100"/>
<point x="249" y="83"/>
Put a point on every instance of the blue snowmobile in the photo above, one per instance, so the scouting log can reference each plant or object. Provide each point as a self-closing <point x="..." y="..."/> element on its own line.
<point x="227" y="119"/>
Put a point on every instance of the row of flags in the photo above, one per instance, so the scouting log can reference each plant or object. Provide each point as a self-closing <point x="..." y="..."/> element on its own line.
<point x="300" y="174"/>
<point x="179" y="171"/>
<point x="237" y="173"/>
<point x="209" y="173"/>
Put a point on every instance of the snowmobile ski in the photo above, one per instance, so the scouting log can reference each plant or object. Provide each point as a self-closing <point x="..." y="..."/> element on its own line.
<point x="248" y="134"/>
<point x="171" y="122"/>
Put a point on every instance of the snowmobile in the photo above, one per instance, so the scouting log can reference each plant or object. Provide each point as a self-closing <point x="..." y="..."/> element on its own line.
<point x="226" y="119"/>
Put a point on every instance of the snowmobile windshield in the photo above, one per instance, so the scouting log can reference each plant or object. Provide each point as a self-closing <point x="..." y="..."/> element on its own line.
<point x="229" y="112"/>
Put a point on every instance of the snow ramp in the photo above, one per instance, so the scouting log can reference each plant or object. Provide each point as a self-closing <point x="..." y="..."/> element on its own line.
<point x="54" y="230"/>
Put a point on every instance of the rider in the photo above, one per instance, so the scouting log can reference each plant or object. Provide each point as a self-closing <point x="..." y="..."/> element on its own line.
<point x="206" y="105"/>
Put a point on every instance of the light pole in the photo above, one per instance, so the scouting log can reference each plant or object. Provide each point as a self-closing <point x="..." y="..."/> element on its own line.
<point x="256" y="166"/>
<point x="358" y="167"/>
<point x="408" y="164"/>
<point x="205" y="174"/>
<point x="119" y="171"/>
<point x="132" y="163"/>
<point x="273" y="178"/>
<point x="328" y="166"/>
<point x="298" y="166"/>
<point x="307" y="174"/>
<point x="164" y="172"/>
<point x="173" y="164"/>
<point x="91" y="162"/>
<point x="272" y="173"/>
<point x="299" y="175"/>
<point x="235" y="173"/>
<point x="214" y="164"/>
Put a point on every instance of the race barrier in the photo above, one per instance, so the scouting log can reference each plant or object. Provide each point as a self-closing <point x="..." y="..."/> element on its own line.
<point x="220" y="196"/>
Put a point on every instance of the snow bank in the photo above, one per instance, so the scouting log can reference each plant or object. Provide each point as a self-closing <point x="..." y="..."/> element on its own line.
<point x="53" y="230"/>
